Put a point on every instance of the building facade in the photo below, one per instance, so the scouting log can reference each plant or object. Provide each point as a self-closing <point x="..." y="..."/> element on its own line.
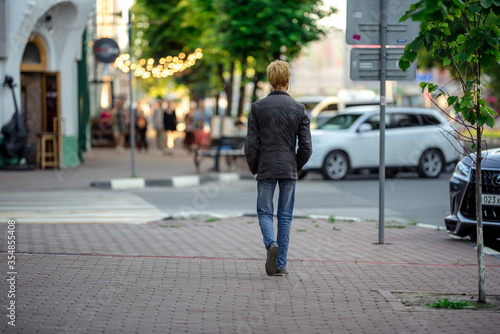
<point x="40" y="48"/>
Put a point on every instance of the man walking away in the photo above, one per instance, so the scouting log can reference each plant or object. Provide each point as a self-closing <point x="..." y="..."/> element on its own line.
<point x="274" y="125"/>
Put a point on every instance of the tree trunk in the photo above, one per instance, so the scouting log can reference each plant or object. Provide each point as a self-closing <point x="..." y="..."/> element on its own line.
<point x="216" y="97"/>
<point x="257" y="78"/>
<point x="228" y="87"/>
<point x="479" y="219"/>
<point x="242" y="100"/>
<point x="242" y="89"/>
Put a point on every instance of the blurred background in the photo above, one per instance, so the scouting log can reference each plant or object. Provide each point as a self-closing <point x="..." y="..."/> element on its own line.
<point x="72" y="60"/>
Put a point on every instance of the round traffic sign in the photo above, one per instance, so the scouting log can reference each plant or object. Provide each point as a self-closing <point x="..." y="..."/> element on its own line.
<point x="106" y="50"/>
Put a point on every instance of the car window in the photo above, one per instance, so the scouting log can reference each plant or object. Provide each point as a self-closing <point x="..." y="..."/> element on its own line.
<point x="309" y="105"/>
<point x="374" y="121"/>
<point x="339" y="122"/>
<point x="319" y="120"/>
<point x="430" y="119"/>
<point x="401" y="120"/>
<point x="331" y="107"/>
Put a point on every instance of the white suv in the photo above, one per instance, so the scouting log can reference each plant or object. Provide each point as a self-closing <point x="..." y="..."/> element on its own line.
<point x="416" y="138"/>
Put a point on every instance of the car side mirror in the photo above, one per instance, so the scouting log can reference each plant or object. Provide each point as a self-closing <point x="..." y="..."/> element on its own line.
<point x="365" y="127"/>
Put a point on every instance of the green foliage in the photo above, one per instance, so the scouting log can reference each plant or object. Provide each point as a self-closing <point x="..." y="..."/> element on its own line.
<point x="248" y="33"/>
<point x="445" y="303"/>
<point x="331" y="219"/>
<point x="211" y="220"/>
<point x="465" y="36"/>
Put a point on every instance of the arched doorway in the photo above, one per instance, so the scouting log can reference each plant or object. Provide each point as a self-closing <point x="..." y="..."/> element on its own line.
<point x="39" y="92"/>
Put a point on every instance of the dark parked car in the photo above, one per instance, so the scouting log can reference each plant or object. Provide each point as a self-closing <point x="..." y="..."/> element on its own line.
<point x="462" y="221"/>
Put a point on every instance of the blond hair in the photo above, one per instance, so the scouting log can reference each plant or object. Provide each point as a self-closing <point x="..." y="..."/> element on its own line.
<point x="278" y="74"/>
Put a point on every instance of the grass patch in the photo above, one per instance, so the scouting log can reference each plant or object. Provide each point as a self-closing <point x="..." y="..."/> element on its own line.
<point x="251" y="222"/>
<point x="302" y="230"/>
<point x="331" y="219"/>
<point x="412" y="223"/>
<point x="317" y="225"/>
<point x="445" y="303"/>
<point x="395" y="226"/>
<point x="211" y="220"/>
<point x="370" y="220"/>
<point x="336" y="228"/>
<point x="172" y="226"/>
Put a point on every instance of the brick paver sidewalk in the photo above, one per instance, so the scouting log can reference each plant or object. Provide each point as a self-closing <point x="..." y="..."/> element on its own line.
<point x="196" y="276"/>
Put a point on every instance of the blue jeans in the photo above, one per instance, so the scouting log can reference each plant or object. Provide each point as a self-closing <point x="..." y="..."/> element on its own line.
<point x="265" y="211"/>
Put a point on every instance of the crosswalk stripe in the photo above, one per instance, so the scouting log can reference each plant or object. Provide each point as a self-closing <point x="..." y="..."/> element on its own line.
<point x="52" y="207"/>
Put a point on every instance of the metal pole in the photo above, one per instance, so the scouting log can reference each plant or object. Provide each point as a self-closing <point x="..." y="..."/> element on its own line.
<point x="131" y="111"/>
<point x="383" y="70"/>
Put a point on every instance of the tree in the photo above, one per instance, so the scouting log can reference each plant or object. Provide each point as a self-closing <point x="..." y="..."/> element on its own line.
<point x="234" y="35"/>
<point x="464" y="35"/>
<point x="256" y="32"/>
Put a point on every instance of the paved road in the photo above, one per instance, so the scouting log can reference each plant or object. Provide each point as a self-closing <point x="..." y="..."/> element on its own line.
<point x="407" y="199"/>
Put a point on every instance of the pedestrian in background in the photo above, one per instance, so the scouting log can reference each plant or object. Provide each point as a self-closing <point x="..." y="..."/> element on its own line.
<point x="275" y="124"/>
<point x="189" y="137"/>
<point x="170" y="125"/>
<point x="141" y="125"/>
<point x="119" y="124"/>
<point x="157" y="121"/>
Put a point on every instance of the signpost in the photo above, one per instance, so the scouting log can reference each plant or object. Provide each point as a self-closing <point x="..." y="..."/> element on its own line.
<point x="376" y="23"/>
<point x="131" y="111"/>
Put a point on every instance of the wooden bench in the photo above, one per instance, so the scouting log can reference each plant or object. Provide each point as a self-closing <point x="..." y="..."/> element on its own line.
<point x="232" y="148"/>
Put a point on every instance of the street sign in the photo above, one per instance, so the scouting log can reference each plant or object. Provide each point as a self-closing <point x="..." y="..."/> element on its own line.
<point x="106" y="50"/>
<point x="363" y="23"/>
<point x="365" y="65"/>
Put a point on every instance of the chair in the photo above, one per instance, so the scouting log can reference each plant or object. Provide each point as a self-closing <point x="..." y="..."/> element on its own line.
<point x="47" y="152"/>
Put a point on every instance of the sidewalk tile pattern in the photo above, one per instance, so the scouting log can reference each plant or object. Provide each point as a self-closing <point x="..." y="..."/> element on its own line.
<point x="193" y="276"/>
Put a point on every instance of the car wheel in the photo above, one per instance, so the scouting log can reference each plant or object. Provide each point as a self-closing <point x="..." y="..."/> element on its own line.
<point x="301" y="174"/>
<point x="431" y="163"/>
<point x="335" y="166"/>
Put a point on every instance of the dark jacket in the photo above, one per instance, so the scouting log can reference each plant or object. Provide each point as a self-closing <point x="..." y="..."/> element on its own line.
<point x="274" y="125"/>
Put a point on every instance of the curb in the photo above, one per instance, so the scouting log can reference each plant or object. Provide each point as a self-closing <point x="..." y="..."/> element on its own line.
<point x="176" y="181"/>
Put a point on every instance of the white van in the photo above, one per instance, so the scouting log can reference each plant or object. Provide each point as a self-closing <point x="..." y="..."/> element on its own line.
<point x="320" y="108"/>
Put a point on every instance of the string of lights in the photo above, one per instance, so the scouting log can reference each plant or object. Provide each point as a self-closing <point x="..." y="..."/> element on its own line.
<point x="166" y="66"/>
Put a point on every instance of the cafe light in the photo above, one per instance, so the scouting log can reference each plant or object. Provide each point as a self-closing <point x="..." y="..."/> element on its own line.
<point x="167" y="66"/>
